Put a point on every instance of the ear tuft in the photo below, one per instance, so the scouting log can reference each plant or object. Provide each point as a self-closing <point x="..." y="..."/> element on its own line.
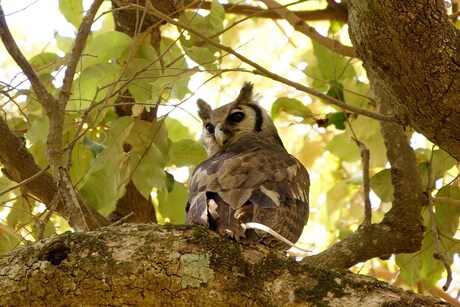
<point x="245" y="93"/>
<point x="204" y="110"/>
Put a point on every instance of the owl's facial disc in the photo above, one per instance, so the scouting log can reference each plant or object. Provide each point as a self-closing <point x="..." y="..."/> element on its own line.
<point x="219" y="134"/>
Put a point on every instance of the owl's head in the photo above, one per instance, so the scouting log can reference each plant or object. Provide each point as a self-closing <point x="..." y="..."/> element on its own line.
<point x="234" y="122"/>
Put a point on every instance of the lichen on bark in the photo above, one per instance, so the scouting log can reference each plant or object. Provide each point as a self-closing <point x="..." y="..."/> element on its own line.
<point x="147" y="264"/>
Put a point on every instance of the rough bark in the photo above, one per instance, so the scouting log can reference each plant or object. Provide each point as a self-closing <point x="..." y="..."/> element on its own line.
<point x="413" y="50"/>
<point x="177" y="266"/>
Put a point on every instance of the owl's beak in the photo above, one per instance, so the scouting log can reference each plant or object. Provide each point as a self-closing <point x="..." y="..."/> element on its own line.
<point x="220" y="135"/>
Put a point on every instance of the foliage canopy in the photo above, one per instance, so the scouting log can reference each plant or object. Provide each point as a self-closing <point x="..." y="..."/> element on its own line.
<point x="106" y="150"/>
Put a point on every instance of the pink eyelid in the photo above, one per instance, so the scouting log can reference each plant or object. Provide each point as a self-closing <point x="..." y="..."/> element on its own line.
<point x="235" y="110"/>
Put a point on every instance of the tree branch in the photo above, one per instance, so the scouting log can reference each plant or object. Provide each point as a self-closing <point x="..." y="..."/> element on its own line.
<point x="365" y="156"/>
<point x="301" y="26"/>
<point x="77" y="49"/>
<point x="141" y="264"/>
<point x="389" y="236"/>
<point x="75" y="205"/>
<point x="332" y="12"/>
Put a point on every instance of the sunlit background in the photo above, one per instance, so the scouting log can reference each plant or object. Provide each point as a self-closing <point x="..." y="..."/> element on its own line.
<point x="327" y="152"/>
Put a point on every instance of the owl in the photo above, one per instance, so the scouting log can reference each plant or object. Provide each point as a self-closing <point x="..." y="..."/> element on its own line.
<point x="248" y="176"/>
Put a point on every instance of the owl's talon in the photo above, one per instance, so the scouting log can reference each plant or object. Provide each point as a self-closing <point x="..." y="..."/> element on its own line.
<point x="228" y="232"/>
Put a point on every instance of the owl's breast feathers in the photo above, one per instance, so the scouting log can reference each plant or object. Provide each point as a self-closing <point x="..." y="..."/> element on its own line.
<point x="261" y="184"/>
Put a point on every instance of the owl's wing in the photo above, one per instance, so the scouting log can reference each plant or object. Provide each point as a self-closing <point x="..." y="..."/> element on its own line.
<point x="262" y="185"/>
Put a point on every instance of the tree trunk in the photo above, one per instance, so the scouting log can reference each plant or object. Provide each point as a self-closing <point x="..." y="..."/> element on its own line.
<point x="412" y="48"/>
<point x="147" y="264"/>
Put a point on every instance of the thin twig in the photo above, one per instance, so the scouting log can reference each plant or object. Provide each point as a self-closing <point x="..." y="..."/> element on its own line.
<point x="42" y="223"/>
<point x="123" y="219"/>
<point x="365" y="156"/>
<point x="25" y="181"/>
<point x="302" y="26"/>
<point x="454" y="15"/>
<point x="434" y="229"/>
<point x="43" y="96"/>
<point x="265" y="72"/>
<point x="444" y="200"/>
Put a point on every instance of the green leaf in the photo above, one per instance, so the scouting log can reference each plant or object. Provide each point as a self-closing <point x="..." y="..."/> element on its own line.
<point x="45" y="63"/>
<point x="103" y="188"/>
<point x="94" y="83"/>
<point x="336" y="90"/>
<point x="148" y="169"/>
<point x="201" y="55"/>
<point x="176" y="130"/>
<point x="187" y="152"/>
<point x="8" y="241"/>
<point x="143" y="73"/>
<point x="106" y="47"/>
<point x="336" y="196"/>
<point x="382" y="186"/>
<point x="64" y="43"/>
<point x="148" y="156"/>
<point x="338" y="120"/>
<point x="104" y="182"/>
<point x="291" y="106"/>
<point x="441" y="163"/>
<point x="425" y="265"/>
<point x="446" y="213"/>
<point x="216" y="16"/>
<point x="200" y="24"/>
<point x="38" y="130"/>
<point x="329" y="65"/>
<point x="171" y="206"/>
<point x="367" y="131"/>
<point x="143" y="48"/>
<point x="199" y="51"/>
<point x="334" y="27"/>
<point x="94" y="147"/>
<point x="72" y="11"/>
<point x="344" y="148"/>
<point x="410" y="266"/>
<point x="20" y="214"/>
<point x="176" y="66"/>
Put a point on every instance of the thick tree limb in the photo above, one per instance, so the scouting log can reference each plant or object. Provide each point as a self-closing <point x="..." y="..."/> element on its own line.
<point x="178" y="266"/>
<point x="412" y="48"/>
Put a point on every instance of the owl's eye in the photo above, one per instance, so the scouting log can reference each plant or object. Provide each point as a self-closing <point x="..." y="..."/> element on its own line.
<point x="209" y="127"/>
<point x="236" y="116"/>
